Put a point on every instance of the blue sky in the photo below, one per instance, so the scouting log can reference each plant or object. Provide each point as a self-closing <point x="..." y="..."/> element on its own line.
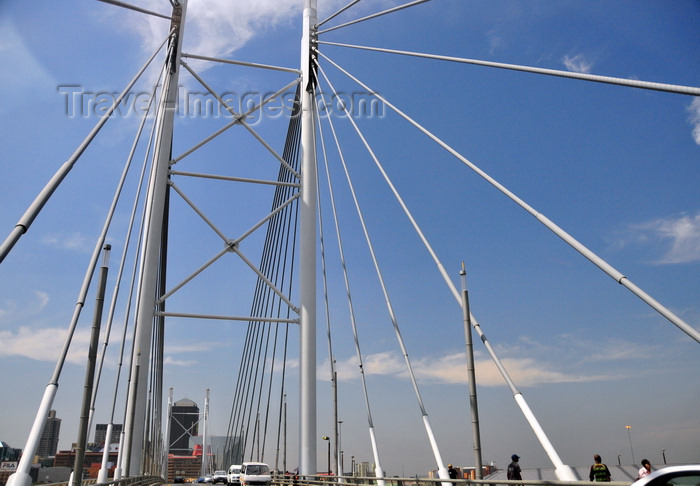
<point x="616" y="167"/>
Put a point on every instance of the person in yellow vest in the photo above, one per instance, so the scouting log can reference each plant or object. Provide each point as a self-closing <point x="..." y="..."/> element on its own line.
<point x="599" y="471"/>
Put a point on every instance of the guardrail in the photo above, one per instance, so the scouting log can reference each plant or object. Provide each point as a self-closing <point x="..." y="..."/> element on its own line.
<point x="131" y="481"/>
<point x="393" y="481"/>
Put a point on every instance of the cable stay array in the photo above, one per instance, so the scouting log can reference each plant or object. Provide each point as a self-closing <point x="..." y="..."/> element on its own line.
<point x="442" y="469"/>
<point x="245" y="441"/>
<point x="570" y="240"/>
<point x="379" y="472"/>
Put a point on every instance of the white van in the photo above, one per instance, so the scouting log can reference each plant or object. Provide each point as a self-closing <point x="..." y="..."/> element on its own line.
<point x="255" y="474"/>
<point x="233" y="475"/>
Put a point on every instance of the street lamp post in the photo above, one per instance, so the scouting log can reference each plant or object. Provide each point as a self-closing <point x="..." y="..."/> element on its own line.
<point x="338" y="450"/>
<point x="629" y="435"/>
<point x="325" y="437"/>
<point x="619" y="463"/>
<point x="663" y="454"/>
<point x="352" y="458"/>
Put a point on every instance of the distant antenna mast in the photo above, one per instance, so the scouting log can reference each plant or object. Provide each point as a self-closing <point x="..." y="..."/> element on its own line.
<point x="205" y="456"/>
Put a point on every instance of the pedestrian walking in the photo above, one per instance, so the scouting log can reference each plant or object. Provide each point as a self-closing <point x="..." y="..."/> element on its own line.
<point x="452" y="472"/>
<point x="514" y="468"/>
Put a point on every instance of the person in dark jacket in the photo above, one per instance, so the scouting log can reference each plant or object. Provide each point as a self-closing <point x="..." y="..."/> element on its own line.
<point x="452" y="472"/>
<point x="599" y="471"/>
<point x="514" y="468"/>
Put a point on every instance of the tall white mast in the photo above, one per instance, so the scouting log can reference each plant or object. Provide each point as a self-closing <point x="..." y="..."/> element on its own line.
<point x="307" y="292"/>
<point x="150" y="260"/>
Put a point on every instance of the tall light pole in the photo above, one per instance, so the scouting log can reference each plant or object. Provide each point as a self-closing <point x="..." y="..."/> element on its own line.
<point x="325" y="437"/>
<point x="352" y="459"/>
<point x="663" y="454"/>
<point x="476" y="436"/>
<point x="629" y="436"/>
<point x="338" y="452"/>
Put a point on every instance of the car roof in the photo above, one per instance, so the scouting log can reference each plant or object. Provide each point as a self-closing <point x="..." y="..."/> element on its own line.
<point x="671" y="470"/>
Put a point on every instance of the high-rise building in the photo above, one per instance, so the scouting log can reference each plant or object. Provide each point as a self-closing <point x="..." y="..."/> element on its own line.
<point x="8" y="453"/>
<point x="184" y="422"/>
<point x="49" y="439"/>
<point x="101" y="434"/>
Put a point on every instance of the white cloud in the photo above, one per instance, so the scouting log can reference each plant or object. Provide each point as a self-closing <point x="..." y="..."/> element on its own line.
<point x="694" y="118"/>
<point x="194" y="347"/>
<point x="577" y="63"/>
<point x="43" y="300"/>
<point x="23" y="73"/>
<point x="44" y="344"/>
<point x="678" y="238"/>
<point x="218" y="27"/>
<point x="495" y="41"/>
<point x="179" y="362"/>
<point x="74" y="242"/>
<point x="32" y="306"/>
<point x="452" y="369"/>
<point x="682" y="233"/>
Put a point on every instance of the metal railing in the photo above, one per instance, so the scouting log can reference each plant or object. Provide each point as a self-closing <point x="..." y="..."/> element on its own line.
<point x="288" y="480"/>
<point x="131" y="481"/>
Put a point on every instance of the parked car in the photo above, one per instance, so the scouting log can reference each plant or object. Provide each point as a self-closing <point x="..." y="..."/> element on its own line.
<point x="219" y="477"/>
<point x="233" y="475"/>
<point x="255" y="474"/>
<point x="204" y="479"/>
<point x="178" y="479"/>
<point x="672" y="476"/>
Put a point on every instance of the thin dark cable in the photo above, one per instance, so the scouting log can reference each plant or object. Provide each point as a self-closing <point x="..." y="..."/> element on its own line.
<point x="630" y="83"/>
<point x="378" y="14"/>
<point x="337" y="13"/>
<point x="263" y="295"/>
<point x="139" y="9"/>
<point x="283" y="264"/>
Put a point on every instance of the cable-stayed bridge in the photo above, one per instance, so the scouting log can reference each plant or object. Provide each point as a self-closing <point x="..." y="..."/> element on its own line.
<point x="225" y="230"/>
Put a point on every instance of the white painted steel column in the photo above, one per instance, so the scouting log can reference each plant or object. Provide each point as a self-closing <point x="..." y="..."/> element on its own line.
<point x="103" y="473"/>
<point x="205" y="461"/>
<point x="166" y="436"/>
<point x="307" y="274"/>
<point x="561" y="470"/>
<point x="120" y="459"/>
<point x="21" y="477"/>
<point x="378" y="471"/>
<point x="150" y="259"/>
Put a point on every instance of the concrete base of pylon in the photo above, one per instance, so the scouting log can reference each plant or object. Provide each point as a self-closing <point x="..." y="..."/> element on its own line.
<point x="19" y="479"/>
